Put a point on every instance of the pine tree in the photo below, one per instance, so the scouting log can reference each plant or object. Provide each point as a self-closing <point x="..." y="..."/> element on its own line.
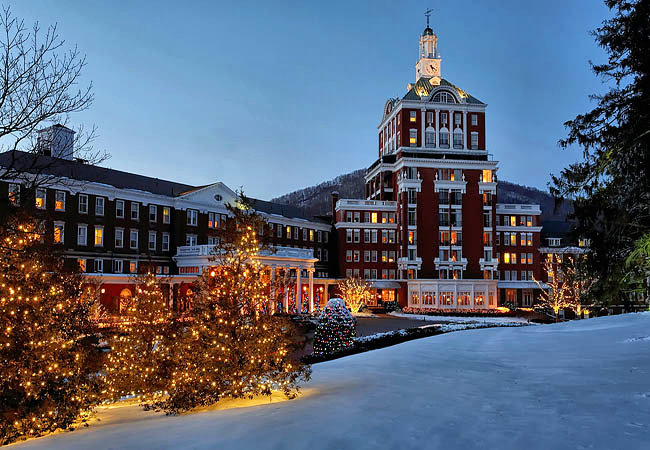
<point x="610" y="187"/>
<point x="140" y="356"/>
<point x="48" y="348"/>
<point x="232" y="348"/>
<point x="336" y="329"/>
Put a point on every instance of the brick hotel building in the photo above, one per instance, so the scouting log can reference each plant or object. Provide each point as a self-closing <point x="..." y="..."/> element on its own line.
<point x="429" y="234"/>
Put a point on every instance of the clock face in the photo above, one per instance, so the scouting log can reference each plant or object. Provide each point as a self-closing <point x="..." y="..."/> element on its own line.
<point x="432" y="70"/>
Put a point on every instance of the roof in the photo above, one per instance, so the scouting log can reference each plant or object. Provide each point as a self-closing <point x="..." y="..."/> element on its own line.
<point x="427" y="31"/>
<point x="520" y="285"/>
<point x="78" y="170"/>
<point x="557" y="229"/>
<point x="425" y="85"/>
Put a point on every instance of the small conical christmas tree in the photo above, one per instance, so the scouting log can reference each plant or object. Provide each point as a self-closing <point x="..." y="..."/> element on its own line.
<point x="48" y="353"/>
<point x="231" y="348"/>
<point x="336" y="329"/>
<point x="139" y="355"/>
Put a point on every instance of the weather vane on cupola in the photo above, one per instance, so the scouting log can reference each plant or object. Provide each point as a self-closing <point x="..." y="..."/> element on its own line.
<point x="428" y="14"/>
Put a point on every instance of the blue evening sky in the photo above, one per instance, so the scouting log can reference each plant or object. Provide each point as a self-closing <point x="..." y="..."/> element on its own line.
<point x="276" y="96"/>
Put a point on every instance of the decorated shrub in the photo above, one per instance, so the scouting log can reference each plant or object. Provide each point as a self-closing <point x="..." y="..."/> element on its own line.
<point x="336" y="329"/>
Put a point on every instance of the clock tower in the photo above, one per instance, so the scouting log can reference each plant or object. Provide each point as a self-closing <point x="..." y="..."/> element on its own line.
<point x="429" y="64"/>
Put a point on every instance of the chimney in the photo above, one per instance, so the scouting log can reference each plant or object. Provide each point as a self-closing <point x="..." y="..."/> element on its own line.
<point x="56" y="141"/>
<point x="335" y="198"/>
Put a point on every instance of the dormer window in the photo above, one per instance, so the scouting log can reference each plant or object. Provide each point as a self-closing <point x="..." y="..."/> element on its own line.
<point x="554" y="242"/>
<point x="443" y="97"/>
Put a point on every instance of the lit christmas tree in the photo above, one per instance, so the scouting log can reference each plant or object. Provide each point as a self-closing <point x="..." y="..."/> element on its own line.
<point x="48" y="351"/>
<point x="140" y="356"/>
<point x="231" y="348"/>
<point x="336" y="329"/>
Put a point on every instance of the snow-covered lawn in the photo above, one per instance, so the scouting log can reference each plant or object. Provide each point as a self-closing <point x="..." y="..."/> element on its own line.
<point x="459" y="319"/>
<point x="575" y="385"/>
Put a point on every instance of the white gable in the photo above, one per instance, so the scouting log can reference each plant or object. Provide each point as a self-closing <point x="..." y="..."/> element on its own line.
<point x="212" y="197"/>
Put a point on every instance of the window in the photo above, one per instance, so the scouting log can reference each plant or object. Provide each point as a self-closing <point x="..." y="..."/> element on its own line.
<point x="119" y="209"/>
<point x="99" y="236"/>
<point x="413" y="137"/>
<point x="152" y="240"/>
<point x="325" y="255"/>
<point x="348" y="216"/>
<point x="412" y="196"/>
<point x="391" y="256"/>
<point x="412" y="215"/>
<point x="450" y="174"/>
<point x="374" y="234"/>
<point x="166" y="214"/>
<point x="474" y="140"/>
<point x="288" y="230"/>
<point x="212" y="240"/>
<point x="153" y="213"/>
<point x="83" y="204"/>
<point x="118" y="266"/>
<point x="41" y="195"/>
<point x="357" y="236"/>
<point x="357" y="217"/>
<point x="348" y="236"/>
<point x="213" y="222"/>
<point x="59" y="204"/>
<point x="82" y="234"/>
<point x="99" y="206"/>
<point x="530" y="258"/>
<point x="366" y="236"/>
<point x="444" y="138"/>
<point x="487" y="239"/>
<point x="522" y="239"/>
<point x="373" y="255"/>
<point x="486" y="176"/>
<point x="279" y="230"/>
<point x="366" y="256"/>
<point x="384" y="256"/>
<point x="192" y="217"/>
<point x="165" y="242"/>
<point x="99" y="265"/>
<point x="357" y="256"/>
<point x="311" y="235"/>
<point x="391" y="236"/>
<point x="135" y="211"/>
<point x="443" y="118"/>
<point x="119" y="237"/>
<point x="458" y="139"/>
<point x="527" y="298"/>
<point x="529" y="239"/>
<point x="529" y="221"/>
<point x="133" y="239"/>
<point x="348" y="255"/>
<point x="133" y="267"/>
<point x="190" y="239"/>
<point x="412" y="116"/>
<point x="366" y="274"/>
<point x="59" y="232"/>
<point x="487" y="219"/>
<point x="14" y="194"/>
<point x="474" y="119"/>
<point x="81" y="262"/>
<point x="320" y="236"/>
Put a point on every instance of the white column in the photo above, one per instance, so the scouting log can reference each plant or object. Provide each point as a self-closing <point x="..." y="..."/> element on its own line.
<point x="298" y="290"/>
<point x="423" y="112"/>
<point x="272" y="299"/>
<point x="455" y="302"/>
<point x="311" y="290"/>
<point x="472" y="304"/>
<point x="286" y="289"/>
<point x="464" y="130"/>
<point x="437" y="127"/>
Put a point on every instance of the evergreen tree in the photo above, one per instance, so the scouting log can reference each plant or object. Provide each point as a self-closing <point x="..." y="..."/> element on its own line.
<point x="48" y="350"/>
<point x="140" y="355"/>
<point x="232" y="348"/>
<point x="611" y="185"/>
<point x="336" y="329"/>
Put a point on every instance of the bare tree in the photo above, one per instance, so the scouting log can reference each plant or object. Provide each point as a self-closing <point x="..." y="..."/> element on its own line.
<point x="356" y="292"/>
<point x="554" y="295"/>
<point x="41" y="85"/>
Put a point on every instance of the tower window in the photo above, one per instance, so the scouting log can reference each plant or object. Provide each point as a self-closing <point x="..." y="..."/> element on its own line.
<point x="413" y="137"/>
<point x="474" y="140"/>
<point x="412" y="116"/>
<point x="474" y="120"/>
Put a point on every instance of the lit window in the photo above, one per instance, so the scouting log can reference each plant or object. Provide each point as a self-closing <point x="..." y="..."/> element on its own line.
<point x="506" y="258"/>
<point x="288" y="232"/>
<point x="413" y="137"/>
<point x="311" y="235"/>
<point x="59" y="232"/>
<point x="14" y="194"/>
<point x="40" y="198"/>
<point x="99" y="236"/>
<point x="412" y="116"/>
<point x="59" y="205"/>
<point x="166" y="214"/>
<point x="133" y="266"/>
<point x="81" y="262"/>
<point x="486" y="176"/>
<point x="373" y="217"/>
<point x="513" y="222"/>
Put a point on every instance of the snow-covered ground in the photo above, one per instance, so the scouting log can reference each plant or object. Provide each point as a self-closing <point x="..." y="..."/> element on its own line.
<point x="575" y="385"/>
<point x="459" y="319"/>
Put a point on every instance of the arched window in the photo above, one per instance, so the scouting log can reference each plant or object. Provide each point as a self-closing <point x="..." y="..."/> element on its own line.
<point x="458" y="138"/>
<point x="444" y="137"/>
<point x="430" y="137"/>
<point x="444" y="97"/>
